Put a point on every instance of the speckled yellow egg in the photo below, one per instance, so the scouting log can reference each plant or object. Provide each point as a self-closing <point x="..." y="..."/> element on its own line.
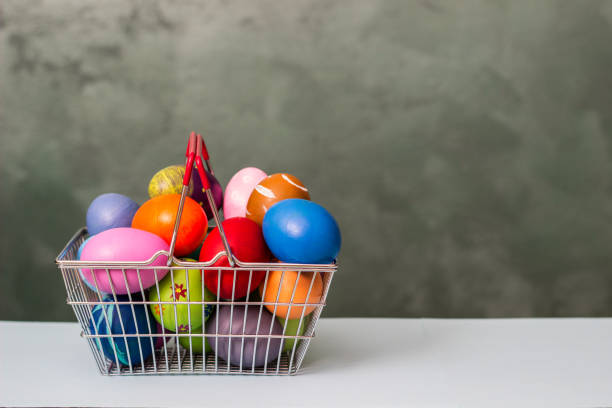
<point x="168" y="180"/>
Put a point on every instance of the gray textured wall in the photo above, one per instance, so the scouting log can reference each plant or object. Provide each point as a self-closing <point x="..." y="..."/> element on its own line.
<point x="464" y="146"/>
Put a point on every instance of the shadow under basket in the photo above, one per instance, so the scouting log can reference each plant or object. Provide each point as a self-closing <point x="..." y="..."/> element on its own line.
<point x="126" y="339"/>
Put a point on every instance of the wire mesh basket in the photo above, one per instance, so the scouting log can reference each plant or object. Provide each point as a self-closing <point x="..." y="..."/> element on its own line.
<point x="120" y="328"/>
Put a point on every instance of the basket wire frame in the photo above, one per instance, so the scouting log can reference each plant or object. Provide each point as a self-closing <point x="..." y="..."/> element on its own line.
<point x="171" y="357"/>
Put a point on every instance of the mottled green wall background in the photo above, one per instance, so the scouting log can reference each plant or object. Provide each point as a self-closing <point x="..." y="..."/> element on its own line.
<point x="464" y="146"/>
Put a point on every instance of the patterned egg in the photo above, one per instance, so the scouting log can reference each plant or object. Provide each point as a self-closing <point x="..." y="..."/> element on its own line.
<point x="271" y="190"/>
<point x="175" y="288"/>
<point x="129" y="320"/>
<point x="168" y="180"/>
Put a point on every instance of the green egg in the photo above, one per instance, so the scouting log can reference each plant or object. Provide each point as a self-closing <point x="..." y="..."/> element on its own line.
<point x="292" y="330"/>
<point x="177" y="291"/>
<point x="196" y="342"/>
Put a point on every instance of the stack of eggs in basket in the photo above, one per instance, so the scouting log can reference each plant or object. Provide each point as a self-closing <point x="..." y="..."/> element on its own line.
<point x="267" y="218"/>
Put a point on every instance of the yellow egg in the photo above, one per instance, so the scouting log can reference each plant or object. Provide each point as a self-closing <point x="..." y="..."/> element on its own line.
<point x="167" y="181"/>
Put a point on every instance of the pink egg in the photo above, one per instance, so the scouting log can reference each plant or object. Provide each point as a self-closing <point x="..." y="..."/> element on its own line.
<point x="128" y="245"/>
<point x="238" y="191"/>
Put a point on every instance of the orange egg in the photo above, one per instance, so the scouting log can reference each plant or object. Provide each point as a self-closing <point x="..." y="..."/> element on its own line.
<point x="282" y="284"/>
<point x="158" y="216"/>
<point x="271" y="190"/>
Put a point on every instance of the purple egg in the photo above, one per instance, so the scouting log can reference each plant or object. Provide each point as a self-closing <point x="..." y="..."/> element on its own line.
<point x="248" y="345"/>
<point x="158" y="342"/>
<point x="198" y="194"/>
<point x="109" y="211"/>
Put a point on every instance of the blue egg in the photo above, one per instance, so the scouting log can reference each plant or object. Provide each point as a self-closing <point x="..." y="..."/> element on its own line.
<point x="81" y="248"/>
<point x="89" y="285"/>
<point x="110" y="211"/>
<point x="110" y="345"/>
<point x="300" y="231"/>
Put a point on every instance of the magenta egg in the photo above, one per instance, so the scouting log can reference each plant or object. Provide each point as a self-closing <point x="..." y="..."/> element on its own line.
<point x="126" y="245"/>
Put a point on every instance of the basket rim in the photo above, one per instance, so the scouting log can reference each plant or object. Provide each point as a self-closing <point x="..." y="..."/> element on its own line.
<point x="177" y="263"/>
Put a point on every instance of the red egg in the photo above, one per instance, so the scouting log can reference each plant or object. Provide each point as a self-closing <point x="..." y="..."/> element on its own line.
<point x="158" y="216"/>
<point x="247" y="244"/>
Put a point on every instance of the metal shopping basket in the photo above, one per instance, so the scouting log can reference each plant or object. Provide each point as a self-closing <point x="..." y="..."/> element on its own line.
<point x="168" y="355"/>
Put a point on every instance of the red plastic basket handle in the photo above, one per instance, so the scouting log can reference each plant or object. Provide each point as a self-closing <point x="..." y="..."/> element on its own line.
<point x="203" y="151"/>
<point x="191" y="144"/>
<point x="196" y="150"/>
<point x="200" y="148"/>
<point x="190" y="153"/>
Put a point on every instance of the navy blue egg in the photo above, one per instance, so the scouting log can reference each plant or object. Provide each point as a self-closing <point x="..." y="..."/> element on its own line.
<point x="109" y="345"/>
<point x="300" y="231"/>
<point x="110" y="211"/>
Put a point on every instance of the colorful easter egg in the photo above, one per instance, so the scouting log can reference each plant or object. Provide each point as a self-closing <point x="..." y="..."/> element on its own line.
<point x="294" y="327"/>
<point x="158" y="216"/>
<point x="239" y="190"/>
<point x="247" y="245"/>
<point x="177" y="287"/>
<point x="128" y="245"/>
<point x="168" y="180"/>
<point x="300" y="231"/>
<point x="110" y="211"/>
<point x="255" y="352"/>
<point x="79" y="251"/>
<point x="196" y="342"/>
<point x="281" y="286"/>
<point x="199" y="195"/>
<point x="112" y="319"/>
<point x="270" y="191"/>
<point x="161" y="340"/>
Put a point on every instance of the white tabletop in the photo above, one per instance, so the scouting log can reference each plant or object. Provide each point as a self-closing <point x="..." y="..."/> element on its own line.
<point x="351" y="362"/>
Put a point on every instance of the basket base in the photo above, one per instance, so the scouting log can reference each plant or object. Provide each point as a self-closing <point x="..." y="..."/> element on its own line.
<point x="180" y="362"/>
